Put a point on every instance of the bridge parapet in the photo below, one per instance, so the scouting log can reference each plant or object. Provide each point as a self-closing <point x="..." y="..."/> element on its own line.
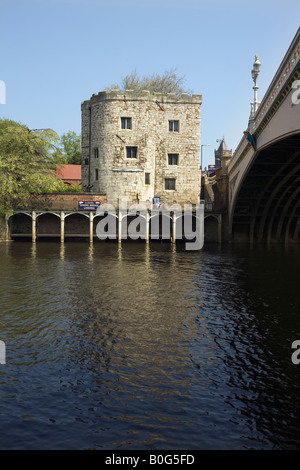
<point x="282" y="78"/>
<point x="237" y="153"/>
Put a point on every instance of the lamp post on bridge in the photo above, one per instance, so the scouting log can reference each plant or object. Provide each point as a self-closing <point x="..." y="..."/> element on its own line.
<point x="255" y="103"/>
<point x="255" y="72"/>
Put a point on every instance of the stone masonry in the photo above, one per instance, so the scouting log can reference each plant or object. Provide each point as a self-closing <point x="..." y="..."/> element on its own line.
<point x="140" y="146"/>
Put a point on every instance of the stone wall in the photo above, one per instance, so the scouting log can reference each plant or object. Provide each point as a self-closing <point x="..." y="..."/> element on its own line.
<point x="104" y="143"/>
<point x="67" y="201"/>
<point x="3" y="229"/>
<point x="220" y="189"/>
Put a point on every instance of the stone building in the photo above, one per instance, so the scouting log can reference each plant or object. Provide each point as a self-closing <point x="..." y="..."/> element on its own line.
<point x="140" y="146"/>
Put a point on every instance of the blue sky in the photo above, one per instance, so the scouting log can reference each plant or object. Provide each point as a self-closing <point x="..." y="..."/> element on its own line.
<point x="57" y="53"/>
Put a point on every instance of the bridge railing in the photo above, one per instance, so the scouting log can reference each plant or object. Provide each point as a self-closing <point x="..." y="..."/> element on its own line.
<point x="286" y="69"/>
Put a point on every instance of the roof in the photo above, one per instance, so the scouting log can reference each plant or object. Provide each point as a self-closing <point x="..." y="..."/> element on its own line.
<point x="68" y="172"/>
<point x="223" y="146"/>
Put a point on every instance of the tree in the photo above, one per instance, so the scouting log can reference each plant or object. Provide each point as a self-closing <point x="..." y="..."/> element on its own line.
<point x="168" y="82"/>
<point x="71" y="147"/>
<point x="27" y="163"/>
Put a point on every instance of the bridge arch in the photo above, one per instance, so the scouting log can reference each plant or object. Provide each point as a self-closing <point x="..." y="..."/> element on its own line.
<point x="265" y="200"/>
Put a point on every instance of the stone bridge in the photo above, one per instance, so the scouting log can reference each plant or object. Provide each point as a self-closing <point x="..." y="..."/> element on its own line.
<point x="264" y="172"/>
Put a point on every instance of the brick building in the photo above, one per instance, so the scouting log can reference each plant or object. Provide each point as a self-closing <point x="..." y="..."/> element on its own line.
<point x="140" y="146"/>
<point x="70" y="174"/>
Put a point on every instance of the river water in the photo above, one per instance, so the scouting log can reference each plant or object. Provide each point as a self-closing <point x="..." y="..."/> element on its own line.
<point x="148" y="347"/>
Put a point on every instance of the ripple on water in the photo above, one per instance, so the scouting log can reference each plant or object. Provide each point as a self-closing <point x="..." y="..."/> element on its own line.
<point x="147" y="347"/>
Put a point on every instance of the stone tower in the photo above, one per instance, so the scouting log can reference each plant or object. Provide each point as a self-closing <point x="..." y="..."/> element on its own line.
<point x="222" y="156"/>
<point x="140" y="146"/>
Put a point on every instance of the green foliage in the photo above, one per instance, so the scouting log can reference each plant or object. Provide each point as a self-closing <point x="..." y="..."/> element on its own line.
<point x="168" y="82"/>
<point x="68" y="188"/>
<point x="27" y="164"/>
<point x="69" y="151"/>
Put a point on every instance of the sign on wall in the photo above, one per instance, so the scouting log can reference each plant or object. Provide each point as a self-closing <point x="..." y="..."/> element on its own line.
<point x="88" y="205"/>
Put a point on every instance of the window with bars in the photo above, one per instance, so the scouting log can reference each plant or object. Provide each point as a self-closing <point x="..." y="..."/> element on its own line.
<point x="147" y="178"/>
<point x="174" y="126"/>
<point x="173" y="158"/>
<point x="169" y="184"/>
<point x="96" y="152"/>
<point x="131" y="152"/>
<point x="126" y="122"/>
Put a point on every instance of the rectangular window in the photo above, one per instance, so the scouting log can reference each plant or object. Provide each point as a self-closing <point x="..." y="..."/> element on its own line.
<point x="170" y="183"/>
<point x="131" y="152"/>
<point x="173" y="158"/>
<point x="125" y="123"/>
<point x="174" y="126"/>
<point x="147" y="178"/>
<point x="96" y="153"/>
<point x="86" y="161"/>
<point x="96" y="174"/>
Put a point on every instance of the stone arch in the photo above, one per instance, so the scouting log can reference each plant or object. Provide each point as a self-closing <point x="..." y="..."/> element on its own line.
<point x="296" y="234"/>
<point x="160" y="226"/>
<point x="47" y="225"/>
<point x="273" y="219"/>
<point x="111" y="228"/>
<point x="133" y="225"/>
<point x="184" y="226"/>
<point x="211" y="234"/>
<point x="77" y="225"/>
<point x="291" y="234"/>
<point x="20" y="225"/>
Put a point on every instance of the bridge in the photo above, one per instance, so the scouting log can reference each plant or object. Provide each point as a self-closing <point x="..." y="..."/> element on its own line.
<point x="264" y="171"/>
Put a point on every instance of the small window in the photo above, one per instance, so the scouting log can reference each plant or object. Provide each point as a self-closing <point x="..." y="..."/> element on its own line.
<point x="96" y="174"/>
<point x="174" y="126"/>
<point x="131" y="152"/>
<point x="170" y="184"/>
<point x="173" y="158"/>
<point x="125" y="123"/>
<point x="96" y="153"/>
<point x="147" y="178"/>
<point x="86" y="161"/>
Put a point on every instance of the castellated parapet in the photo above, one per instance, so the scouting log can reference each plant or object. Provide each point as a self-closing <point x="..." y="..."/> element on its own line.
<point x="140" y="146"/>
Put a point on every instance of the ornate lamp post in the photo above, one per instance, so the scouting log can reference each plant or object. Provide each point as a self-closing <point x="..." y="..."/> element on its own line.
<point x="255" y="72"/>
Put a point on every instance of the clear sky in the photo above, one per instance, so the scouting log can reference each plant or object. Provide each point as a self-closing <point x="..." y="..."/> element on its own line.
<point x="57" y="53"/>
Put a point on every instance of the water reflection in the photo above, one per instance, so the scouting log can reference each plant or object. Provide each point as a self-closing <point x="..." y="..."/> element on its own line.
<point x="139" y="345"/>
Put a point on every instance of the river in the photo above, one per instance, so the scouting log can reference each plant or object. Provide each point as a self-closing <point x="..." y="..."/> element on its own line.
<point x="139" y="346"/>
